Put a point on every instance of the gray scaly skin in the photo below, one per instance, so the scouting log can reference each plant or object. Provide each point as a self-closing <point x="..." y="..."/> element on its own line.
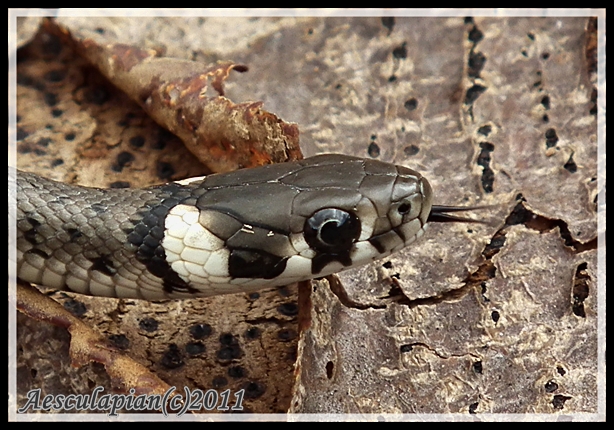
<point x="227" y="233"/>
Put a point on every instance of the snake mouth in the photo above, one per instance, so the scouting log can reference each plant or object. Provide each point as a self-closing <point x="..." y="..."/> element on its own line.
<point x="440" y="214"/>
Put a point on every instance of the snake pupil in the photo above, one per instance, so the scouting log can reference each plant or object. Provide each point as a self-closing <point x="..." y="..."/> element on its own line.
<point x="332" y="230"/>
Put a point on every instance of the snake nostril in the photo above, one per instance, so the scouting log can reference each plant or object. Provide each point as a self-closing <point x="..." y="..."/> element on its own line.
<point x="404" y="208"/>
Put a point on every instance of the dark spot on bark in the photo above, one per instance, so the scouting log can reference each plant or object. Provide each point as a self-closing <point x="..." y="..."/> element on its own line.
<point x="52" y="45"/>
<point x="400" y="52"/>
<point x="475" y="35"/>
<point x="55" y="75"/>
<point x="388" y="22"/>
<point x="119" y="184"/>
<point x="488" y="175"/>
<point x="56" y="113"/>
<point x="545" y="56"/>
<point x="21" y="134"/>
<point x="164" y="136"/>
<point x="286" y="334"/>
<point x="253" y="390"/>
<point x="228" y="353"/>
<point x="473" y="407"/>
<point x="195" y="348"/>
<point x="237" y="372"/>
<point x="57" y="162"/>
<point x="70" y="136"/>
<point x="571" y="165"/>
<point x="593" y="110"/>
<point x="137" y="141"/>
<point x="252" y="333"/>
<point x="164" y="170"/>
<point x="477" y="367"/>
<point x="468" y="20"/>
<point x="560" y="370"/>
<point x="546" y="102"/>
<point x="200" y="331"/>
<point x="373" y="150"/>
<point x="330" y="368"/>
<point x="485" y="130"/>
<point x="253" y="296"/>
<point x="98" y="95"/>
<point x="172" y="358"/>
<point x="551" y="386"/>
<point x="123" y="158"/>
<point x="410" y="104"/>
<point x="531" y="36"/>
<point x="228" y="339"/>
<point x="120" y="341"/>
<point x="288" y="309"/>
<point x="559" y="400"/>
<point x="44" y="141"/>
<point x="219" y="382"/>
<point x="476" y="64"/>
<point x="495" y="316"/>
<point x="387" y="265"/>
<point x="50" y="99"/>
<point x="545" y="118"/>
<point x="148" y="324"/>
<point x="411" y="150"/>
<point x="284" y="292"/>
<point x="551" y="138"/>
<point x="392" y="78"/>
<point x="580" y="290"/>
<point x="75" y="307"/>
<point x="473" y="93"/>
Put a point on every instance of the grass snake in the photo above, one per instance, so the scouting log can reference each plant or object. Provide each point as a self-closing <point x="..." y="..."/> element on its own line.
<point x="226" y="233"/>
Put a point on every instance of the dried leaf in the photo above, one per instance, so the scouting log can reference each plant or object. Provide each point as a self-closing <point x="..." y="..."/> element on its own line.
<point x="224" y="135"/>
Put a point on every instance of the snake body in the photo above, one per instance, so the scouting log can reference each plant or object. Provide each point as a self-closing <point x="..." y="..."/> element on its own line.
<point x="225" y="233"/>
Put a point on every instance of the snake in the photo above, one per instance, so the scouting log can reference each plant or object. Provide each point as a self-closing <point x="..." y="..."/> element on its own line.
<point x="235" y="232"/>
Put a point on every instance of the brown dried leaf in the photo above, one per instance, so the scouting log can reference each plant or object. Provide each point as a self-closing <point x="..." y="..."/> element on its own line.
<point x="87" y="346"/>
<point x="224" y="135"/>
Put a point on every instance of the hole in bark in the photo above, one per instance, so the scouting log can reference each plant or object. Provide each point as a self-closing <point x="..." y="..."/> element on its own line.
<point x="571" y="165"/>
<point x="330" y="366"/>
<point x="559" y="401"/>
<point x="580" y="290"/>
<point x="488" y="175"/>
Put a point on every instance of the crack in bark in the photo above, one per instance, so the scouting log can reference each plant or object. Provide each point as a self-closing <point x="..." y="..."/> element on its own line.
<point x="437" y="353"/>
<point x="520" y="214"/>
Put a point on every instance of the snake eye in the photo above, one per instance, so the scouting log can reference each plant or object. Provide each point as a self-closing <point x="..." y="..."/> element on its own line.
<point x="332" y="230"/>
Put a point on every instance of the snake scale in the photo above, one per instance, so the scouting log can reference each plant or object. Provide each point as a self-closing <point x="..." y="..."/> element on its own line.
<point x="226" y="233"/>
